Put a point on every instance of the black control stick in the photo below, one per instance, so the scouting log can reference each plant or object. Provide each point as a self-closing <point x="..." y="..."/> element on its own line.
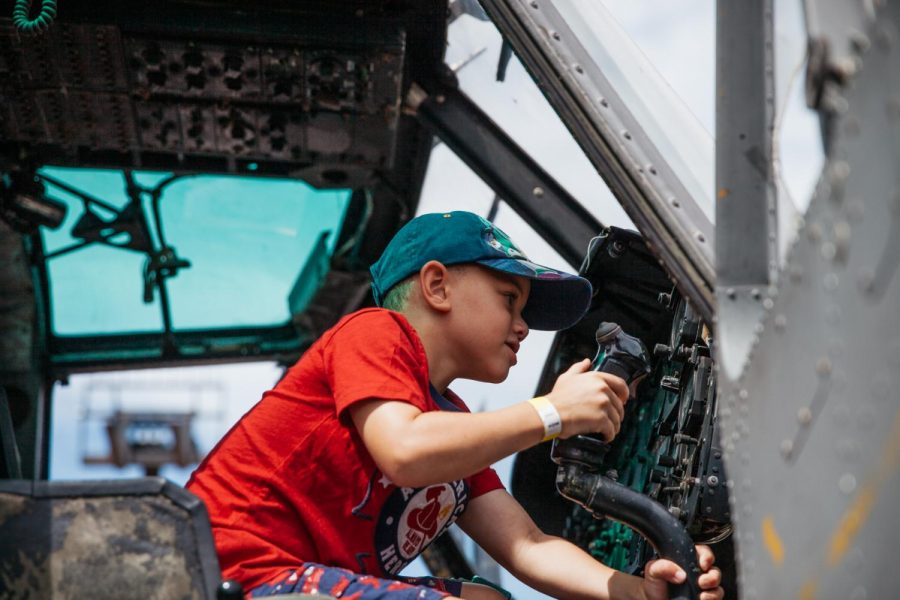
<point x="580" y="459"/>
<point x="618" y="354"/>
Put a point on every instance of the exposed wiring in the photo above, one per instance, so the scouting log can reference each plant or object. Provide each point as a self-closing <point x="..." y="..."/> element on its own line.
<point x="586" y="263"/>
<point x="37" y="25"/>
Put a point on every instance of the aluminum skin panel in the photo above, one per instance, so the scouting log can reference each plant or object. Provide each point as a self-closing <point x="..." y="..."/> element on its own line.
<point x="812" y="426"/>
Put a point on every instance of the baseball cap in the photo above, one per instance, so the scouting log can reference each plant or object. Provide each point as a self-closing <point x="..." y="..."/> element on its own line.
<point x="557" y="300"/>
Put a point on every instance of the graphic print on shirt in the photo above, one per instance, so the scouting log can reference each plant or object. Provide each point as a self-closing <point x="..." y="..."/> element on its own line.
<point x="412" y="517"/>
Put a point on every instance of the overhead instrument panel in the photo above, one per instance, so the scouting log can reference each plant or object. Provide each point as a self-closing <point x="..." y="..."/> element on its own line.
<point x="97" y="96"/>
<point x="297" y="89"/>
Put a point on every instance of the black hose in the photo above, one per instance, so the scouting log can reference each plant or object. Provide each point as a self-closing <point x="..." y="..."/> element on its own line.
<point x="601" y="495"/>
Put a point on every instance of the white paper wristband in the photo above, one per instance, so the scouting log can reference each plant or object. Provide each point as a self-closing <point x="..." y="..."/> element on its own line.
<point x="549" y="417"/>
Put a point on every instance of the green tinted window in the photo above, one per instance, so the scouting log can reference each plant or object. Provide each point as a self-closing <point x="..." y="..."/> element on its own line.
<point x="246" y="239"/>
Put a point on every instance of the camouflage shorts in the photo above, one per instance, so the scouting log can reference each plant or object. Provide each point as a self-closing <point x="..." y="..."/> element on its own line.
<point x="312" y="578"/>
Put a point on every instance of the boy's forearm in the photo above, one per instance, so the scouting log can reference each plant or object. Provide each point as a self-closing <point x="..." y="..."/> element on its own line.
<point x="440" y="446"/>
<point x="560" y="569"/>
<point x="552" y="565"/>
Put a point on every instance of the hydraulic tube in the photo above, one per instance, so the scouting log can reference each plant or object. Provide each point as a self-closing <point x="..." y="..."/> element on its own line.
<point x="602" y="496"/>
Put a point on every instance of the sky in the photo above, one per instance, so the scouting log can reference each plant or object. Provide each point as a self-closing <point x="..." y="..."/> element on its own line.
<point x="678" y="39"/>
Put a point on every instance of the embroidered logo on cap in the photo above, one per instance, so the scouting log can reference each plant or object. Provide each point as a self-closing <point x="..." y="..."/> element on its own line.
<point x="498" y="240"/>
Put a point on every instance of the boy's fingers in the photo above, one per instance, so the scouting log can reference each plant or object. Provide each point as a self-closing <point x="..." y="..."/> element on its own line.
<point x="606" y="429"/>
<point x="711" y="579"/>
<point x="618" y="387"/>
<point x="609" y="431"/>
<point x="580" y="367"/>
<point x="705" y="556"/>
<point x="665" y="570"/>
<point x="616" y="420"/>
<point x="620" y="409"/>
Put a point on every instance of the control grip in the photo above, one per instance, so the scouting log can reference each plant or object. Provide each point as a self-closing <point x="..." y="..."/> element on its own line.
<point x="614" y="367"/>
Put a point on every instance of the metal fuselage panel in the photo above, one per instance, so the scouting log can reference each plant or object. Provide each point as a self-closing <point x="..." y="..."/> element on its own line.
<point x="811" y="427"/>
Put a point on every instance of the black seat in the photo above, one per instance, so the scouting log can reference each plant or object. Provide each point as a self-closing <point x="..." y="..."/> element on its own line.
<point x="137" y="538"/>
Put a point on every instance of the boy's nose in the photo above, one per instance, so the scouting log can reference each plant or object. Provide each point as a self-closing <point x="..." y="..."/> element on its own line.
<point x="520" y="328"/>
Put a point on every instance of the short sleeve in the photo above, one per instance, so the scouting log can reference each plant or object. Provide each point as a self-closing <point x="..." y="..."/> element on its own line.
<point x="483" y="482"/>
<point x="376" y="355"/>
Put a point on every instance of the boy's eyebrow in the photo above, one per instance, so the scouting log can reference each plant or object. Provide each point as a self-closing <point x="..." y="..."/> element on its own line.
<point x="516" y="281"/>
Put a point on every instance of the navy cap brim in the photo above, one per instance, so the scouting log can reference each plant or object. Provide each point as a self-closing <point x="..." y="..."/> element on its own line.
<point x="557" y="300"/>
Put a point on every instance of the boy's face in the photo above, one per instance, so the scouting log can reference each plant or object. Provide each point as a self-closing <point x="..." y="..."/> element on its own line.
<point x="486" y="326"/>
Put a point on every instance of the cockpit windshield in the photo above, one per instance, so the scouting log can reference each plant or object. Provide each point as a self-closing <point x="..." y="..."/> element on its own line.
<point x="236" y="247"/>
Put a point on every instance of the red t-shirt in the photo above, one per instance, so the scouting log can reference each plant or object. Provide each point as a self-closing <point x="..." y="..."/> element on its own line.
<point x="292" y="481"/>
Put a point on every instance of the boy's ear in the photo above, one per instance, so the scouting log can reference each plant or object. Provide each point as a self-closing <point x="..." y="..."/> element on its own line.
<point x="433" y="283"/>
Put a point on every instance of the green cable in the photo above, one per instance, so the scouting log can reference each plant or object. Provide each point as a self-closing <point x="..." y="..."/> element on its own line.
<point x="37" y="25"/>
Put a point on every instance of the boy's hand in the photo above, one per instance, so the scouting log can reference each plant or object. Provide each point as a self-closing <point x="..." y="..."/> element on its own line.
<point x="588" y="401"/>
<point x="659" y="573"/>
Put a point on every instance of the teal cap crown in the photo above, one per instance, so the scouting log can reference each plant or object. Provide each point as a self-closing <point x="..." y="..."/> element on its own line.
<point x="557" y="300"/>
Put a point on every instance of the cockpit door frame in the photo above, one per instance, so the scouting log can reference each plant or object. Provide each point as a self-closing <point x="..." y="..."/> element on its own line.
<point x="637" y="172"/>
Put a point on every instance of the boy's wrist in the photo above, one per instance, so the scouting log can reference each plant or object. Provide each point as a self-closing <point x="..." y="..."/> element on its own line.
<point x="549" y="417"/>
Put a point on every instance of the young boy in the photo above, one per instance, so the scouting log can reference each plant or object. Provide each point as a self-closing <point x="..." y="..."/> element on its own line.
<point x="361" y="455"/>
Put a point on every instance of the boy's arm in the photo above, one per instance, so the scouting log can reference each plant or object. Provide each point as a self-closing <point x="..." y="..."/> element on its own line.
<point x="556" y="567"/>
<point x="415" y="448"/>
<point x="546" y="563"/>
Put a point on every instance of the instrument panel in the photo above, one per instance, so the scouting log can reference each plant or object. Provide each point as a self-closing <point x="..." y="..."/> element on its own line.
<point x="668" y="447"/>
